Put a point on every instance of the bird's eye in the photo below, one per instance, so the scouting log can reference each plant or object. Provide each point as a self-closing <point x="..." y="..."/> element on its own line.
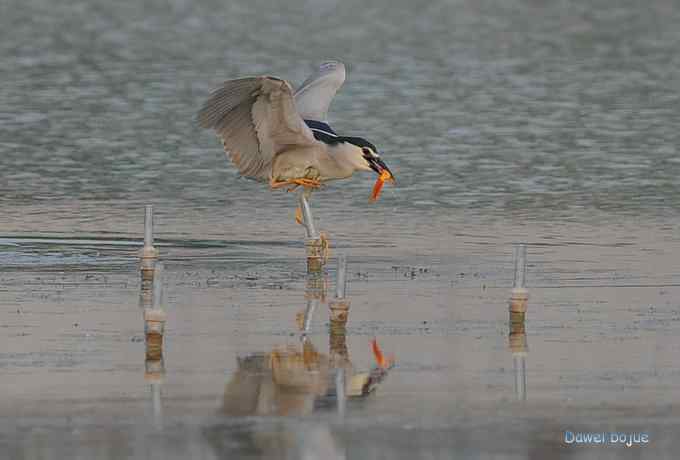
<point x="366" y="151"/>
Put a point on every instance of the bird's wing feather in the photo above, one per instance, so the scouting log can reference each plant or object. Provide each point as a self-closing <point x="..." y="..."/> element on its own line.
<point x="314" y="96"/>
<point x="256" y="119"/>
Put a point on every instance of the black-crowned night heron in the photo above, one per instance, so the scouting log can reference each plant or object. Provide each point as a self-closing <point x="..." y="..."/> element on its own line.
<point x="275" y="134"/>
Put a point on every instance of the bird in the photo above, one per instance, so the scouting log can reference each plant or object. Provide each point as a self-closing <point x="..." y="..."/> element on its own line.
<point x="281" y="136"/>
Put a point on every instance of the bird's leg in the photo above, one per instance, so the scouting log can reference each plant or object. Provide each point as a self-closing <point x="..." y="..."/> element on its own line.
<point x="307" y="183"/>
<point x="317" y="244"/>
<point x="273" y="183"/>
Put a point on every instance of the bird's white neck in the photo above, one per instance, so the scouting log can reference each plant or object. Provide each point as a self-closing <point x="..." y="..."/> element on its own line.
<point x="348" y="157"/>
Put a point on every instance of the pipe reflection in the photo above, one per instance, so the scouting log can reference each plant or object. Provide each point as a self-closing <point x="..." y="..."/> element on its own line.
<point x="517" y="338"/>
<point x="151" y="300"/>
<point x="517" y="343"/>
<point x="154" y="375"/>
<point x="315" y="294"/>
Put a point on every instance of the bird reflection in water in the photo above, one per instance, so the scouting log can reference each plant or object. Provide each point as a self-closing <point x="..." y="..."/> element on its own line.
<point x="298" y="379"/>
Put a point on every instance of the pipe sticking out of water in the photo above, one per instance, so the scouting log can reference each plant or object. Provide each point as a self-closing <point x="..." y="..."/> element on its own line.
<point x="341" y="280"/>
<point x="148" y="226"/>
<point x="520" y="263"/>
<point x="148" y="253"/>
<point x="307" y="217"/>
<point x="316" y="245"/>
<point x="519" y="296"/>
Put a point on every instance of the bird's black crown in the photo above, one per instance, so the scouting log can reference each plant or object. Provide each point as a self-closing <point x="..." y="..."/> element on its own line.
<point x="360" y="142"/>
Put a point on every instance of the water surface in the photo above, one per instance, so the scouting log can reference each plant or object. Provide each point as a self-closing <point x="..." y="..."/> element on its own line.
<point x="551" y="123"/>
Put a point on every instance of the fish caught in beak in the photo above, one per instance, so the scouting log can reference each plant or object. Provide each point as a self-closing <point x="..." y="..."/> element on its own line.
<point x="384" y="174"/>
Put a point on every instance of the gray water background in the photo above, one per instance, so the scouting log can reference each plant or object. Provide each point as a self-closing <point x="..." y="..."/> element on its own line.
<point x="536" y="110"/>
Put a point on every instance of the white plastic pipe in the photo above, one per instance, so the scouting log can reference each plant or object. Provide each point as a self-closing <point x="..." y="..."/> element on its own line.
<point x="341" y="280"/>
<point x="520" y="263"/>
<point x="307" y="218"/>
<point x="148" y="226"/>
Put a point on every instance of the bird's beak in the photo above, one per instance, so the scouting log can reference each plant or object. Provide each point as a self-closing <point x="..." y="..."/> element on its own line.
<point x="381" y="169"/>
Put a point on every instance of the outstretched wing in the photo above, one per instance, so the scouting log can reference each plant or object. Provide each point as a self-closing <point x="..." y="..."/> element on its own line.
<point x="314" y="96"/>
<point x="256" y="119"/>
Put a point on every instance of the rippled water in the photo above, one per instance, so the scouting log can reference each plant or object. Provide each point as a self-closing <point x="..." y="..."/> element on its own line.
<point x="554" y="123"/>
<point x="546" y="110"/>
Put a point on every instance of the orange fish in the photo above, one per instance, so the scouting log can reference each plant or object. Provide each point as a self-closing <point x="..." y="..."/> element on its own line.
<point x="384" y="176"/>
